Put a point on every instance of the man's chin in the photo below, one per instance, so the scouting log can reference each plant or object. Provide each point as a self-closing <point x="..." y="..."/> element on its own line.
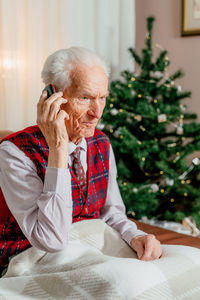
<point x="89" y="132"/>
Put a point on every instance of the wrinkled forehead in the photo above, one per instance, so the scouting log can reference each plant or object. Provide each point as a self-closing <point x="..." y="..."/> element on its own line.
<point x="88" y="79"/>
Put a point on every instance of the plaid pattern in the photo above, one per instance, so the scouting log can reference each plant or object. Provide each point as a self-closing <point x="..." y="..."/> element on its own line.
<point x="97" y="180"/>
<point x="33" y="144"/>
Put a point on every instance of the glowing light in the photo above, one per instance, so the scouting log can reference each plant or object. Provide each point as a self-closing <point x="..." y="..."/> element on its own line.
<point x="8" y="63"/>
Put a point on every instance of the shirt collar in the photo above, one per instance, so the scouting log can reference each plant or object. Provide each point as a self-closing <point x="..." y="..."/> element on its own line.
<point x="82" y="144"/>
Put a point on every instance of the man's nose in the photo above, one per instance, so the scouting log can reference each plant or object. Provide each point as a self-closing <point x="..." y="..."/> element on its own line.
<point x="95" y="109"/>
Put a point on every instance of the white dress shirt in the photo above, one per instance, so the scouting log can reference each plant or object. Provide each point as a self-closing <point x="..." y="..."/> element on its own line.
<point x="44" y="211"/>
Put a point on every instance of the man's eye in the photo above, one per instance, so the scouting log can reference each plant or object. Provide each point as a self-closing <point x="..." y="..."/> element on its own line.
<point x="84" y="99"/>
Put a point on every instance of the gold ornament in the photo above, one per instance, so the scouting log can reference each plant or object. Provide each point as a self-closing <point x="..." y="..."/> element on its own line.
<point x="182" y="181"/>
<point x="162" y="190"/>
<point x="120" y="110"/>
<point x="143" y="158"/>
<point x="142" y="128"/>
<point x="139" y="95"/>
<point x="185" y="194"/>
<point x="121" y="137"/>
<point x="129" y="85"/>
<point x="111" y="130"/>
<point x="138" y="118"/>
<point x="155" y="100"/>
<point x="112" y="99"/>
<point x="111" y="105"/>
<point x="139" y="142"/>
<point x="161" y="172"/>
<point x="172" y="200"/>
<point x="132" y="78"/>
<point x="172" y="145"/>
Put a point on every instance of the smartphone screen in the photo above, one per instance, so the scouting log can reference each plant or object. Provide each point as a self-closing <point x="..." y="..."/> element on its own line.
<point x="50" y="88"/>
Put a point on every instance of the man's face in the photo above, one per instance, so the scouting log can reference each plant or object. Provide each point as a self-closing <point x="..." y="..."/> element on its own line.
<point x="86" y="100"/>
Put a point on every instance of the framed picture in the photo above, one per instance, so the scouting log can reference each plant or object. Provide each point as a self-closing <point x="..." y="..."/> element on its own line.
<point x="190" y="17"/>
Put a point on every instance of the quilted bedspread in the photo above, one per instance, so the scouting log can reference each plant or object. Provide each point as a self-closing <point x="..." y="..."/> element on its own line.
<point x="98" y="264"/>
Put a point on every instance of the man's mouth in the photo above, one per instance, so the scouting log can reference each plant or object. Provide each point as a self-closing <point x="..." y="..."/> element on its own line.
<point x="90" y="123"/>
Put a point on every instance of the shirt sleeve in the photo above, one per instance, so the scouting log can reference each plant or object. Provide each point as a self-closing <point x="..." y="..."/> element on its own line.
<point x="43" y="211"/>
<point x="113" y="212"/>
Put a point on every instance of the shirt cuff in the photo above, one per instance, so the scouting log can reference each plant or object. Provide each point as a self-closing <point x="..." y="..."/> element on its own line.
<point x="57" y="180"/>
<point x="129" y="234"/>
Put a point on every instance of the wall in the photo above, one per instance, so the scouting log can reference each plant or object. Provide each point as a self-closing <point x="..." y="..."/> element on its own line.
<point x="183" y="52"/>
<point x="30" y="30"/>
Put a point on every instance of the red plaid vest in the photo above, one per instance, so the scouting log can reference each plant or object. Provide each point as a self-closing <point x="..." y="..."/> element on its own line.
<point x="33" y="144"/>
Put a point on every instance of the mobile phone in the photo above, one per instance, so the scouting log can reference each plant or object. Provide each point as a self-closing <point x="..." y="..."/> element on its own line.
<point x="50" y="88"/>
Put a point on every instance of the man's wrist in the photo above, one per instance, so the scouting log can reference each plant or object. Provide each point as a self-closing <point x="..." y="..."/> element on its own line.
<point x="58" y="158"/>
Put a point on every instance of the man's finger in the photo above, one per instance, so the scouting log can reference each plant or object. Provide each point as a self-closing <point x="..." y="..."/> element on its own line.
<point x="46" y="105"/>
<point x="43" y="97"/>
<point x="138" y="247"/>
<point x="148" y="247"/>
<point x="62" y="115"/>
<point x="152" y="248"/>
<point x="55" y="108"/>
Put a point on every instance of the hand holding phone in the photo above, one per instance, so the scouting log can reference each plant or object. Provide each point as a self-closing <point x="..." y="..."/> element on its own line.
<point x="51" y="121"/>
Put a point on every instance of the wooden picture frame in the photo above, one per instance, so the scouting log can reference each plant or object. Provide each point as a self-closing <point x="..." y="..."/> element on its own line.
<point x="190" y="17"/>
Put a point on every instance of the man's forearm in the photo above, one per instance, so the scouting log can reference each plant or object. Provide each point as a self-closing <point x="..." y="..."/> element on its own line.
<point x="58" y="158"/>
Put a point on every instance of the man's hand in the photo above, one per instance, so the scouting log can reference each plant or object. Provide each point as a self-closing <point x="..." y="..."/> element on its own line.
<point x="51" y="121"/>
<point x="147" y="247"/>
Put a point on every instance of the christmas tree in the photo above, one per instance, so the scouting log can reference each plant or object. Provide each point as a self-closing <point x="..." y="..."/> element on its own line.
<point x="153" y="137"/>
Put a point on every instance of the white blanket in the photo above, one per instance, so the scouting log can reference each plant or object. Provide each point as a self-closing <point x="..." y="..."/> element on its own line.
<point x="98" y="264"/>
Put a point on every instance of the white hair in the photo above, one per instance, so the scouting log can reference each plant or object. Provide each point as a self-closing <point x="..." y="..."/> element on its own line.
<point x="58" y="66"/>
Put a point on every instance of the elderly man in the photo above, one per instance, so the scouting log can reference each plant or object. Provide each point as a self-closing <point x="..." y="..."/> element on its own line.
<point x="63" y="170"/>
